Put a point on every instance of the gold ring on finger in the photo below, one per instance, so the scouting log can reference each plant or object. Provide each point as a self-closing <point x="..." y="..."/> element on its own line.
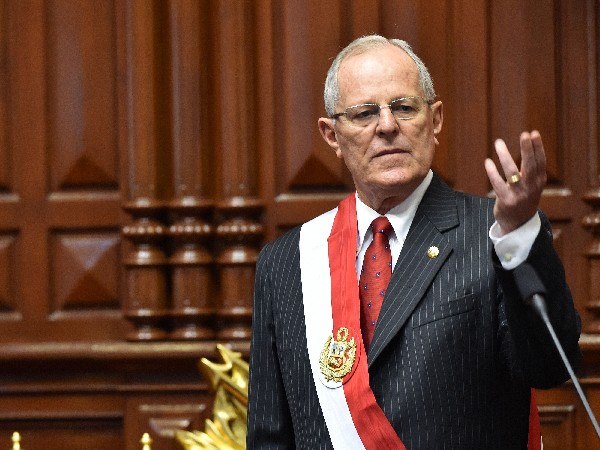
<point x="514" y="179"/>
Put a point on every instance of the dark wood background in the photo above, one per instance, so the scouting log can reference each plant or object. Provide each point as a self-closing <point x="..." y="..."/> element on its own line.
<point x="148" y="149"/>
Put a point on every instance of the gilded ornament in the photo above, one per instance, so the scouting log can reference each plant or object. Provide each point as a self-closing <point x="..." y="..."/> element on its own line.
<point x="227" y="430"/>
<point x="338" y="356"/>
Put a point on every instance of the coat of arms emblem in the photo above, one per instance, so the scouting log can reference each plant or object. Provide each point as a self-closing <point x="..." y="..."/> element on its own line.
<point x="338" y="356"/>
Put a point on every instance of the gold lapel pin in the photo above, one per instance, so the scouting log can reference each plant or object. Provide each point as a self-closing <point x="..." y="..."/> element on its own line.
<point x="433" y="252"/>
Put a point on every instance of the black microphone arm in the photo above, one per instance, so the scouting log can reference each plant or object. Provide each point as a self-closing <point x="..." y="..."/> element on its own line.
<point x="532" y="290"/>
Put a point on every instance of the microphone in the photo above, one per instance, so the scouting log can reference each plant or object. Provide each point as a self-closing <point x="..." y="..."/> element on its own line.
<point x="533" y="292"/>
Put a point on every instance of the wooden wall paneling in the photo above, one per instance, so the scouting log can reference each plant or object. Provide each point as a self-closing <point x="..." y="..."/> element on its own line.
<point x="578" y="108"/>
<point x="310" y="35"/>
<point x="267" y="107"/>
<point x="146" y="171"/>
<point x="58" y="165"/>
<point x="199" y="120"/>
<point x="9" y="237"/>
<point x="4" y="99"/>
<point x="539" y="72"/>
<point x="109" y="393"/>
<point x="238" y="207"/>
<point x="565" y="423"/>
<point x="82" y="132"/>
<point x="82" y="166"/>
<point x="559" y="410"/>
<point x="586" y="434"/>
<point x="591" y="222"/>
<point x="524" y="75"/>
<point x="55" y="420"/>
<point x="464" y="86"/>
<point x="22" y="151"/>
<point x="11" y="311"/>
<point x="193" y="301"/>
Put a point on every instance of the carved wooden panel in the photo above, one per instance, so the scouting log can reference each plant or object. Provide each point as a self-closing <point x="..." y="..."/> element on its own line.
<point x="80" y="91"/>
<point x="87" y="273"/>
<point x="62" y="165"/>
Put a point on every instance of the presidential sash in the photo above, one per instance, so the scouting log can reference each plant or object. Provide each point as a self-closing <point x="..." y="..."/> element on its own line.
<point x="332" y="317"/>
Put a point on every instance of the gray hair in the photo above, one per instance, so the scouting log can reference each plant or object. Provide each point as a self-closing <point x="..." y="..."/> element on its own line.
<point x="332" y="88"/>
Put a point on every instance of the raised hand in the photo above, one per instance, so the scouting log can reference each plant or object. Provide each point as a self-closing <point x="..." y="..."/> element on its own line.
<point x="518" y="193"/>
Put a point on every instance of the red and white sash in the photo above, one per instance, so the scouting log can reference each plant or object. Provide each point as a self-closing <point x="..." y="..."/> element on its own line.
<point x="331" y="303"/>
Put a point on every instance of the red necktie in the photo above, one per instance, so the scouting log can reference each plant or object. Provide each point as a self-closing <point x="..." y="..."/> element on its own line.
<point x="375" y="277"/>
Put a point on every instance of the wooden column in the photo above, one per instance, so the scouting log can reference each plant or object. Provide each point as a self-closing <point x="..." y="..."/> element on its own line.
<point x="238" y="208"/>
<point x="191" y="270"/>
<point x="145" y="260"/>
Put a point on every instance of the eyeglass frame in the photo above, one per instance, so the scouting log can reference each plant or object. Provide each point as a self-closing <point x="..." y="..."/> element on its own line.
<point x="385" y="105"/>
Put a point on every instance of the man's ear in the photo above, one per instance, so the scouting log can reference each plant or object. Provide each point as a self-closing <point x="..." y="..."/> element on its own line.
<point x="329" y="135"/>
<point x="438" y="119"/>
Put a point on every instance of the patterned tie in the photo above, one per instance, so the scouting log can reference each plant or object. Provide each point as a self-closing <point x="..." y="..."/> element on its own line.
<point x="375" y="277"/>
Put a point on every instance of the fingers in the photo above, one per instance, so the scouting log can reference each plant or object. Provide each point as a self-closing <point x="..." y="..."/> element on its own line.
<point x="497" y="181"/>
<point x="533" y="157"/>
<point x="518" y="189"/>
<point x="509" y="167"/>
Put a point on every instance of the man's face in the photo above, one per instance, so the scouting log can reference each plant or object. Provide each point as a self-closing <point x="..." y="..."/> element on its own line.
<point x="389" y="158"/>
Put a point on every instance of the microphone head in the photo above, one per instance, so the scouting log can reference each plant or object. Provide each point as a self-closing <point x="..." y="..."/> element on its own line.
<point x="528" y="282"/>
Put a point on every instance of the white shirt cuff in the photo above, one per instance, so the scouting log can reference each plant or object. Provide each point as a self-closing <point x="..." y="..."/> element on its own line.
<point x="513" y="248"/>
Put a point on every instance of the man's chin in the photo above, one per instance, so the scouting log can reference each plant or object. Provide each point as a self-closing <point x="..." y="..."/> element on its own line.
<point x="399" y="179"/>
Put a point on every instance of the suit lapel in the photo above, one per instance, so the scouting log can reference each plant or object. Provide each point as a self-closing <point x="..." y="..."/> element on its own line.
<point x="415" y="270"/>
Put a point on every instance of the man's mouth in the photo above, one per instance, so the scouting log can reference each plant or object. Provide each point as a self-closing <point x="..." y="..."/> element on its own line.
<point x="391" y="151"/>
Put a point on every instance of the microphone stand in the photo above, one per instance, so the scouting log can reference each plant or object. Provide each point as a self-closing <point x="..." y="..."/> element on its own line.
<point x="531" y="289"/>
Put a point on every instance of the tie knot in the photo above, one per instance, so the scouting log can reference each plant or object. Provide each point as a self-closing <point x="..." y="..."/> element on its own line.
<point x="381" y="225"/>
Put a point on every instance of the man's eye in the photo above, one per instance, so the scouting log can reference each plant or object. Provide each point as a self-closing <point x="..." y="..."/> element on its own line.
<point x="363" y="113"/>
<point x="403" y="107"/>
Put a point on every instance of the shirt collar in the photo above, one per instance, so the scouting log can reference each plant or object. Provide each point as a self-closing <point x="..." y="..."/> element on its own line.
<point x="400" y="216"/>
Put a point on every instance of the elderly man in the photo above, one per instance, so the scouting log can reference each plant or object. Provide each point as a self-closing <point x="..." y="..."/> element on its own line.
<point x="394" y="321"/>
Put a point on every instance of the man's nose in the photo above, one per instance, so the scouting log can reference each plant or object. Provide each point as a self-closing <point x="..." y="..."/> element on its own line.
<point x="387" y="122"/>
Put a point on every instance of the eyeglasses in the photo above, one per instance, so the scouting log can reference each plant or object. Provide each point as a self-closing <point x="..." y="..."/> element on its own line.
<point x="404" y="108"/>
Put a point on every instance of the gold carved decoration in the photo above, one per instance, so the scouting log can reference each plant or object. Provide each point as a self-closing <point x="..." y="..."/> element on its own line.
<point x="337" y="356"/>
<point x="227" y="429"/>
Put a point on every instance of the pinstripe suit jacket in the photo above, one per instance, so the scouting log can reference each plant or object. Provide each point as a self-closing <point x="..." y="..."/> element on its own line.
<point x="455" y="351"/>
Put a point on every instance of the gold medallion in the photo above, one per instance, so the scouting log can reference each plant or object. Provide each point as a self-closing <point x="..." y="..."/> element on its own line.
<point x="338" y="356"/>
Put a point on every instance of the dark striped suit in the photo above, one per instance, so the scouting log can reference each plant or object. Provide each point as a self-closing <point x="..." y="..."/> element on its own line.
<point x="455" y="350"/>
